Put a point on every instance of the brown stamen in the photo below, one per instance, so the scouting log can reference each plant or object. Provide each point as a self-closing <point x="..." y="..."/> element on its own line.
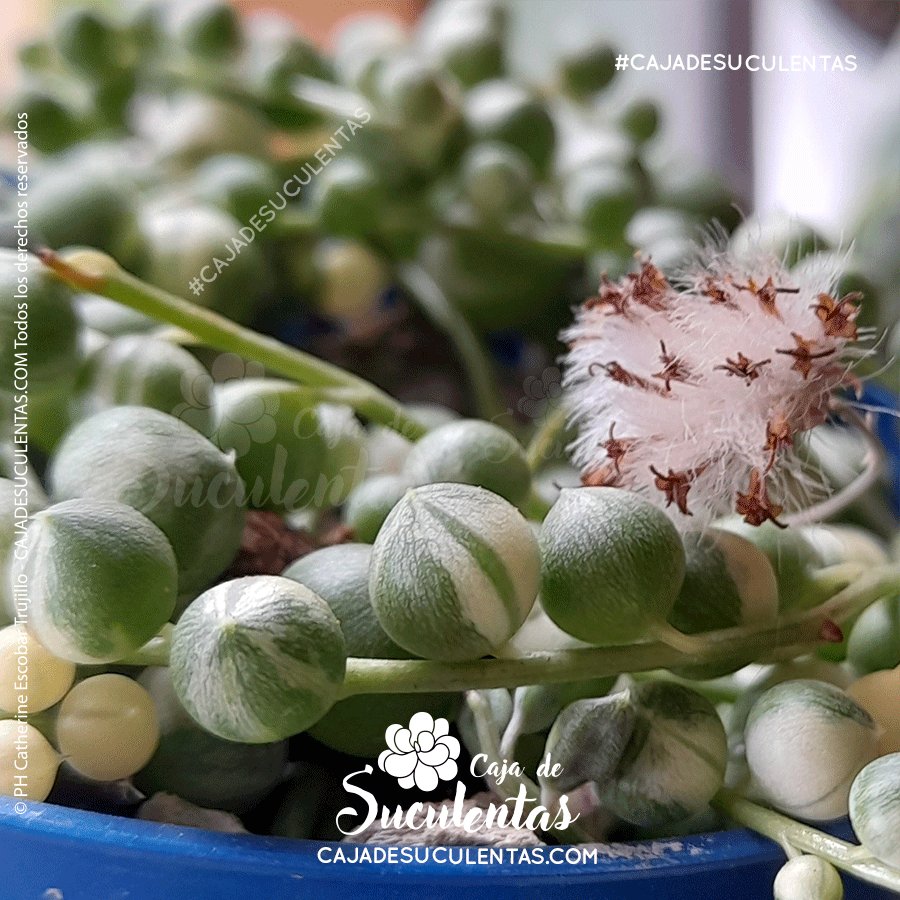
<point x="717" y="294"/>
<point x="838" y="316"/>
<point x="616" y="448"/>
<point x="755" y="505"/>
<point x="607" y="475"/>
<point x="804" y="355"/>
<point x="778" y="435"/>
<point x="649" y="286"/>
<point x="673" y="368"/>
<point x="767" y="294"/>
<point x="623" y="376"/>
<point x="742" y="367"/>
<point x="611" y="296"/>
<point x="675" y="485"/>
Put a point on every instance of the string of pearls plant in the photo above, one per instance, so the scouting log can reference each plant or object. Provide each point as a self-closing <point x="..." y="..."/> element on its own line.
<point x="459" y="592"/>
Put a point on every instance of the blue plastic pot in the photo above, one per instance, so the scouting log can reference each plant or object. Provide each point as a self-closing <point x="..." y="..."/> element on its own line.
<point x="53" y="853"/>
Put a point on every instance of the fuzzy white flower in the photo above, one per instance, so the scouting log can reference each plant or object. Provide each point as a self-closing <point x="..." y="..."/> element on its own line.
<point x="693" y="391"/>
<point x="422" y="755"/>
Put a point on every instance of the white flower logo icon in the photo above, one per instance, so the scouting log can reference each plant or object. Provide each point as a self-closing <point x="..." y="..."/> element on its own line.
<point x="540" y="391"/>
<point x="421" y="755"/>
<point x="237" y="430"/>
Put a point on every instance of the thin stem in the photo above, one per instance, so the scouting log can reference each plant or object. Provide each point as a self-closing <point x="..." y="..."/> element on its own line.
<point x="155" y="652"/>
<point x="309" y="101"/>
<point x="717" y="691"/>
<point x="429" y="297"/>
<point x="535" y="506"/>
<point x="828" y="581"/>
<point x="873" y="464"/>
<point x="513" y="730"/>
<point x="295" y="223"/>
<point x="798" y="631"/>
<point x="686" y="643"/>
<point x="867" y="588"/>
<point x="784" y="830"/>
<point x="546" y="437"/>
<point x="864" y="588"/>
<point x="99" y="274"/>
<point x="486" y="733"/>
<point x="564" y="243"/>
<point x="790" y="851"/>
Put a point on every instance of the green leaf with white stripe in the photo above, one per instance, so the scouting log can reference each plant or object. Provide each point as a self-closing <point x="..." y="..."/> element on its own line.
<point x="356" y="725"/>
<point x="139" y="370"/>
<point x="805" y="742"/>
<point x="258" y="659"/>
<point x="728" y="582"/>
<point x="875" y="808"/>
<point x="455" y="571"/>
<point x="675" y="759"/>
<point x="165" y="469"/>
<point x="102" y="579"/>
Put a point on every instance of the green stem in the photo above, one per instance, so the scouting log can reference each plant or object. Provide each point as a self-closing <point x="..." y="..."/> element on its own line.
<point x="864" y="589"/>
<point x="400" y="676"/>
<point x="433" y="302"/>
<point x="377" y="676"/>
<point x="156" y="651"/>
<point x="374" y="676"/>
<point x="716" y="691"/>
<point x="563" y="243"/>
<point x="784" y="830"/>
<point x="828" y="581"/>
<point x="545" y="439"/>
<point x="535" y="506"/>
<point x="309" y="101"/>
<point x="95" y="272"/>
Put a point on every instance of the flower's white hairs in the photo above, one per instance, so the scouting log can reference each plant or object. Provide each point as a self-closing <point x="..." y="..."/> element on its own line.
<point x="694" y="390"/>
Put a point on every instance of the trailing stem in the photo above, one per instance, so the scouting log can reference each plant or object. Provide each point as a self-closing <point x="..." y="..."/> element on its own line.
<point x="546" y="437"/>
<point x="790" y="833"/>
<point x="429" y="297"/>
<point x="797" y="631"/>
<point x="95" y="272"/>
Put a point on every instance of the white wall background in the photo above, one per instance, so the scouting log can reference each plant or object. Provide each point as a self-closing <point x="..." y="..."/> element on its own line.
<point x="818" y="137"/>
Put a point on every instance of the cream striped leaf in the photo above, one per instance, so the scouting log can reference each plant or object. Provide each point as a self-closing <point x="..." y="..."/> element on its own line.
<point x="805" y="742"/>
<point x="455" y="571"/>
<point x="875" y="808"/>
<point x="675" y="761"/>
<point x="257" y="659"/>
<point x="102" y="579"/>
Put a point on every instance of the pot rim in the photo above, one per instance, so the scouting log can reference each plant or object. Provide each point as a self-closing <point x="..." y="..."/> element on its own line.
<point x="52" y="824"/>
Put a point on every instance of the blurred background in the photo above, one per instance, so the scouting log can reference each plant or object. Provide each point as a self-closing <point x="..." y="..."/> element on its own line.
<point x="421" y="192"/>
<point x="502" y="163"/>
<point x="815" y="144"/>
